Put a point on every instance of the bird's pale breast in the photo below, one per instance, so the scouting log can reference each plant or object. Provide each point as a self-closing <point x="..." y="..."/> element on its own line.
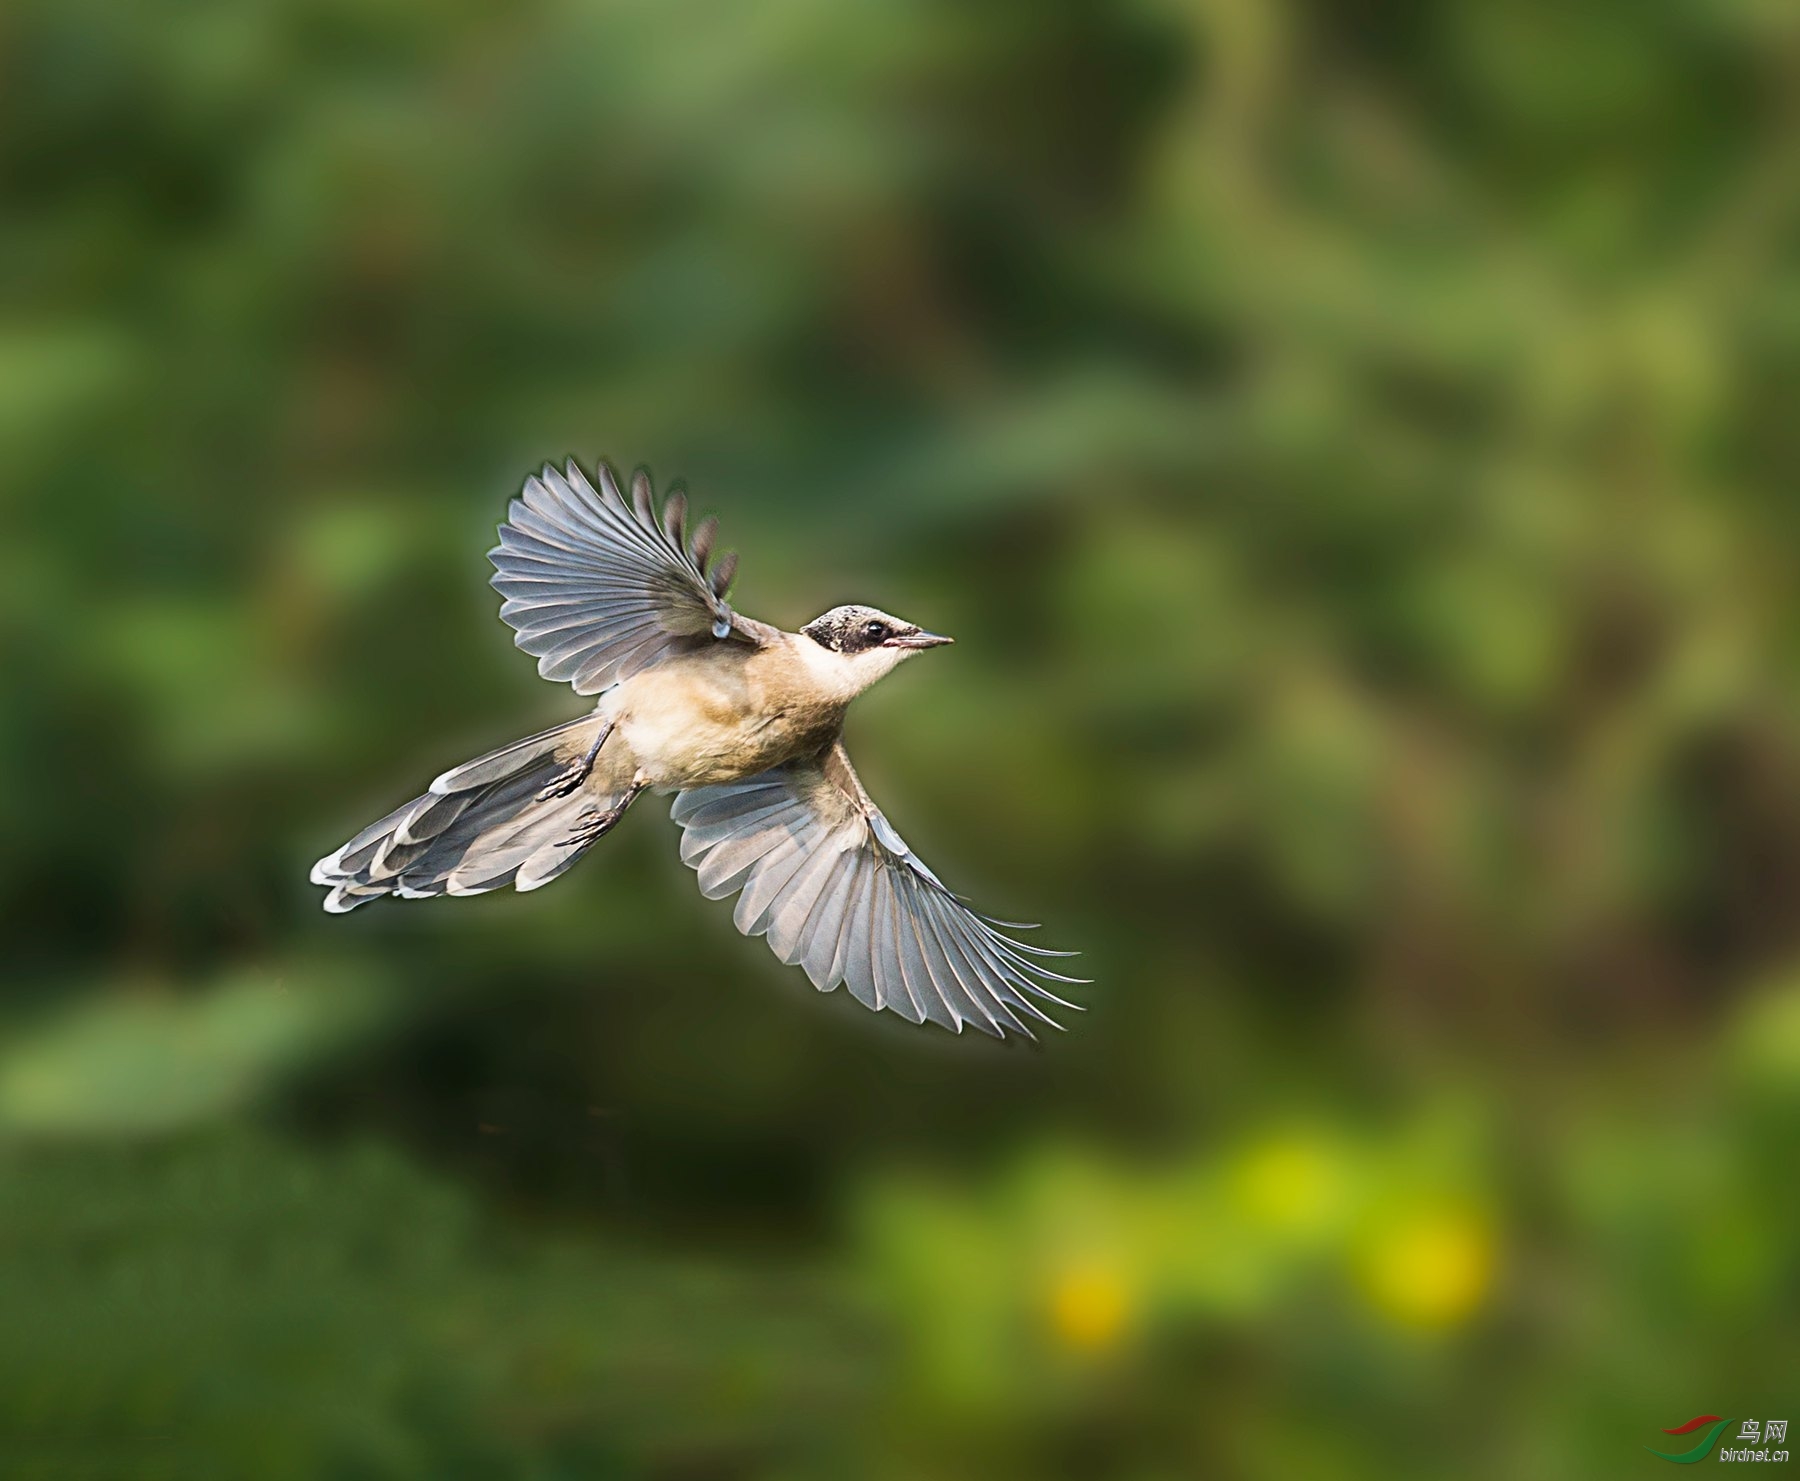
<point x="720" y="715"/>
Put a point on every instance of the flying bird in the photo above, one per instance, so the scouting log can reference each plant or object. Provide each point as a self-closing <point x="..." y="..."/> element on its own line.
<point x="743" y="722"/>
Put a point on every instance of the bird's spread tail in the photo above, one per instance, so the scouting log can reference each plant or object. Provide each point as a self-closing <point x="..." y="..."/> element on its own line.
<point x="517" y="816"/>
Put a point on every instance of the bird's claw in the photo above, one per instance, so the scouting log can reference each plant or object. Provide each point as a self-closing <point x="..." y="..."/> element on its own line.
<point x="566" y="781"/>
<point x="590" y="824"/>
<point x="577" y="771"/>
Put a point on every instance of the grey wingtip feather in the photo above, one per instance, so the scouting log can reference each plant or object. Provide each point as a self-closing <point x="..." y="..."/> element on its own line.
<point x="724" y="573"/>
<point x="706" y="534"/>
<point x="1003" y="991"/>
<point x="562" y="536"/>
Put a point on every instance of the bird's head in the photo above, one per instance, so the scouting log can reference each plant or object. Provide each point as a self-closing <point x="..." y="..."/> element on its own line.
<point x="868" y="643"/>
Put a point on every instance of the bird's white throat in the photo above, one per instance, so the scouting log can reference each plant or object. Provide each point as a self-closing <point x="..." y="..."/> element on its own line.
<point x="843" y="676"/>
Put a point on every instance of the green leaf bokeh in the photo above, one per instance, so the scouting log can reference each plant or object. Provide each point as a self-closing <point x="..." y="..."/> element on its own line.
<point x="1355" y="450"/>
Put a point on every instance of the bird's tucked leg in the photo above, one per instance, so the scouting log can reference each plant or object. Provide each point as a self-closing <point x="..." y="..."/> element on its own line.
<point x="592" y="822"/>
<point x="577" y="771"/>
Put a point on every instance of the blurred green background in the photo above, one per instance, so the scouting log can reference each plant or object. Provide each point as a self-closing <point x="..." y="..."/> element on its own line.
<point x="1356" y="448"/>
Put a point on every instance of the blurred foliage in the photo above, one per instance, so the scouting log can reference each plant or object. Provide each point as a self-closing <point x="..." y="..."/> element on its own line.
<point x="1355" y="447"/>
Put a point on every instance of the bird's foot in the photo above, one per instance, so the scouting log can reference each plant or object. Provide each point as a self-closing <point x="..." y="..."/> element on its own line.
<point x="592" y="822"/>
<point x="577" y="771"/>
<point x="566" y="780"/>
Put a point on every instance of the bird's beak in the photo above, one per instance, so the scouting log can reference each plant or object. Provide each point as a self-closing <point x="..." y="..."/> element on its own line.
<point x="918" y="640"/>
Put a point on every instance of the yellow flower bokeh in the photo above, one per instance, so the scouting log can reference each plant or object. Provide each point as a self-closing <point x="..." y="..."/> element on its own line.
<point x="1292" y="1184"/>
<point x="1092" y="1305"/>
<point x="1430" y="1268"/>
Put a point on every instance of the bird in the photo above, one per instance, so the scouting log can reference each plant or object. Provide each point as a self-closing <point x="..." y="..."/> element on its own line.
<point x="743" y="722"/>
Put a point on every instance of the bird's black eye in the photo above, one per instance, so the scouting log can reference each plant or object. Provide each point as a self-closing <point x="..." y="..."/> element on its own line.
<point x="875" y="631"/>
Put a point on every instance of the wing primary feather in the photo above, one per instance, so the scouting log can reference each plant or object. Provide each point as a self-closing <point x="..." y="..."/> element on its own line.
<point x="791" y="912"/>
<point x="565" y="581"/>
<point x="632" y="530"/>
<point x="1027" y="947"/>
<point x="609" y="485"/>
<point x="981" y="1016"/>
<point x="586" y="509"/>
<point x="759" y="826"/>
<point x="915" y="967"/>
<point x="817" y="946"/>
<point x="957" y="951"/>
<point x="547" y="499"/>
<point x="1025" y="964"/>
<point x="548" y="508"/>
<point x="599" y="587"/>
<point x="705" y="534"/>
<point x="571" y="644"/>
<point x="525" y="534"/>
<point x="1019" y="977"/>
<point x="972" y="966"/>
<point x="706" y="814"/>
<point x="1005" y="982"/>
<point x="723" y="572"/>
<point x="697" y="848"/>
<point x="735" y="856"/>
<point x="825" y="878"/>
<point x="854" y="955"/>
<point x="574" y="507"/>
<point x="778" y="866"/>
<point x="873" y="959"/>
<point x="1017" y="985"/>
<point x="630" y="533"/>
<point x="523" y="565"/>
<point x="555" y="605"/>
<point x="944" y="972"/>
<point x="890" y="982"/>
<point x="537" y="620"/>
<point x="895" y="941"/>
<point x="704" y="825"/>
<point x="907" y="1003"/>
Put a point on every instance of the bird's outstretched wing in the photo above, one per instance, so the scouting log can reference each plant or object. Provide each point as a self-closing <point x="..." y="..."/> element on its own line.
<point x="836" y="890"/>
<point x="599" y="588"/>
